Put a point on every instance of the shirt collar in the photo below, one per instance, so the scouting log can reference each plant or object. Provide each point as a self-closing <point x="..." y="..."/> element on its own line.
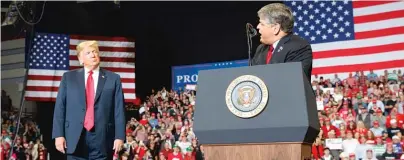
<point x="96" y="70"/>
<point x="275" y="44"/>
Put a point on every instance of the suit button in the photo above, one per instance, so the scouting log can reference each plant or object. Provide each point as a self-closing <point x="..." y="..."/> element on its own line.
<point x="81" y="122"/>
<point x="84" y="110"/>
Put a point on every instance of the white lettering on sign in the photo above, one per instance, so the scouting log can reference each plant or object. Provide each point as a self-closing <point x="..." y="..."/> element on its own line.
<point x="179" y="78"/>
<point x="187" y="78"/>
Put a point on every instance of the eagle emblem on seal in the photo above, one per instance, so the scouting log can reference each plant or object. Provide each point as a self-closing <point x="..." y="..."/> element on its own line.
<point x="246" y="96"/>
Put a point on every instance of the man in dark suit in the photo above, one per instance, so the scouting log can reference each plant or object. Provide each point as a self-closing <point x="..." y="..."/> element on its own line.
<point x="279" y="45"/>
<point x="89" y="117"/>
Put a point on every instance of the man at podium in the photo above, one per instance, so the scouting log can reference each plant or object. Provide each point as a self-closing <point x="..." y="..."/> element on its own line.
<point x="279" y="44"/>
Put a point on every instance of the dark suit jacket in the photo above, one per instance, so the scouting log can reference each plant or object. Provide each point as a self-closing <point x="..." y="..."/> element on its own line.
<point x="70" y="109"/>
<point x="290" y="48"/>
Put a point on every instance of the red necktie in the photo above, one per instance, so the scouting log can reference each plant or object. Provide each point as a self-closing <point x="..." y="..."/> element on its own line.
<point x="269" y="55"/>
<point x="89" y="119"/>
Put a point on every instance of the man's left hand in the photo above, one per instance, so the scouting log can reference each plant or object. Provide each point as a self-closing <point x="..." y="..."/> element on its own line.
<point x="118" y="144"/>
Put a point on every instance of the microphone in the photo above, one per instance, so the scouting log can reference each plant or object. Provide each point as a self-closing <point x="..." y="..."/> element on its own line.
<point x="251" y="32"/>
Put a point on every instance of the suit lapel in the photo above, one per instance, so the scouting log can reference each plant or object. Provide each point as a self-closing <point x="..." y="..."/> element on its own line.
<point x="101" y="81"/>
<point x="81" y="86"/>
<point x="279" y="53"/>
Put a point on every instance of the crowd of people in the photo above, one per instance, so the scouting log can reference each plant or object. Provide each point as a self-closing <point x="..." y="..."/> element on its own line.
<point x="361" y="117"/>
<point x="161" y="128"/>
<point x="27" y="142"/>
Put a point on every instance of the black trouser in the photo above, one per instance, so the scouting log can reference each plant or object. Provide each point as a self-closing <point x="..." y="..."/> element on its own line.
<point x="88" y="148"/>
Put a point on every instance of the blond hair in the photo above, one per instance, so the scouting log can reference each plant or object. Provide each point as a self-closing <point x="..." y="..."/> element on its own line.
<point x="84" y="44"/>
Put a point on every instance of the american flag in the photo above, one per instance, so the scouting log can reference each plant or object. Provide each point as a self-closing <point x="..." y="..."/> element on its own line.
<point x="349" y="36"/>
<point x="54" y="54"/>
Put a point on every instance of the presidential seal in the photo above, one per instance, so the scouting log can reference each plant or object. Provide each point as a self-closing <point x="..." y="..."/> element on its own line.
<point x="246" y="96"/>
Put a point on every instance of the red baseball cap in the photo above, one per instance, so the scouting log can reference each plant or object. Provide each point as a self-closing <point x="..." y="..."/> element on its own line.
<point x="351" y="155"/>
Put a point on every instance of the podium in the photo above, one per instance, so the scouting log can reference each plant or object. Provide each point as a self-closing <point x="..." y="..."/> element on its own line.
<point x="263" y="112"/>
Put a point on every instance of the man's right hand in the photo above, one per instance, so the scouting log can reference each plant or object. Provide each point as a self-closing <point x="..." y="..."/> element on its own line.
<point x="60" y="144"/>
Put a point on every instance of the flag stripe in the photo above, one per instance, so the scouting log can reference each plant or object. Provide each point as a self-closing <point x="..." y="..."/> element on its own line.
<point x="108" y="59"/>
<point x="358" y="43"/>
<point x="55" y="89"/>
<point x="378" y="17"/>
<point x="106" y="43"/>
<point x="127" y="65"/>
<point x="358" y="67"/>
<point x="383" y="24"/>
<point x="101" y="38"/>
<point x="379" y="33"/>
<point x="109" y="54"/>
<point x="110" y="49"/>
<point x="127" y="100"/>
<point x="59" y="78"/>
<point x="60" y="73"/>
<point x="359" y="51"/>
<point x="112" y="69"/>
<point x="361" y="59"/>
<point x="366" y="3"/>
<point x="34" y="98"/>
<point x="376" y="9"/>
<point x="49" y="83"/>
<point x="52" y="94"/>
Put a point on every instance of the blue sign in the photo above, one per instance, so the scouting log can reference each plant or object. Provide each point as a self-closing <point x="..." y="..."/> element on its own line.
<point x="188" y="74"/>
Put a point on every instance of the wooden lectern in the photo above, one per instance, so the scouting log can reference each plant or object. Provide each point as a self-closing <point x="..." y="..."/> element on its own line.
<point x="264" y="112"/>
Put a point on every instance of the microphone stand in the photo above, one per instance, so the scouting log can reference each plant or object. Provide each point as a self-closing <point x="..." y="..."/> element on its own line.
<point x="249" y="42"/>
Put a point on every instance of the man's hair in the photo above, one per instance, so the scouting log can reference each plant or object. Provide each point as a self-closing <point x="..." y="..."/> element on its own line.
<point x="278" y="13"/>
<point x="83" y="44"/>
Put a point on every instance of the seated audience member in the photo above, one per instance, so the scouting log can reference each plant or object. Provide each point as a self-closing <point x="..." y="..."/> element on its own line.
<point x="327" y="154"/>
<point x="176" y="154"/>
<point x="344" y="156"/>
<point x="352" y="156"/>
<point x="395" y="115"/>
<point x="317" y="149"/>
<point x="378" y="116"/>
<point x="376" y="129"/>
<point x="349" y="144"/>
<point x="392" y="131"/>
<point x="369" y="155"/>
<point x="397" y="146"/>
<point x="328" y="127"/>
<point x="389" y="154"/>
<point x="379" y="148"/>
<point x="364" y="116"/>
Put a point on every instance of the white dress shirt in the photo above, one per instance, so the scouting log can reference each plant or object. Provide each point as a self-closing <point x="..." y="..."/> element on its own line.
<point x="96" y="72"/>
<point x="274" y="45"/>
